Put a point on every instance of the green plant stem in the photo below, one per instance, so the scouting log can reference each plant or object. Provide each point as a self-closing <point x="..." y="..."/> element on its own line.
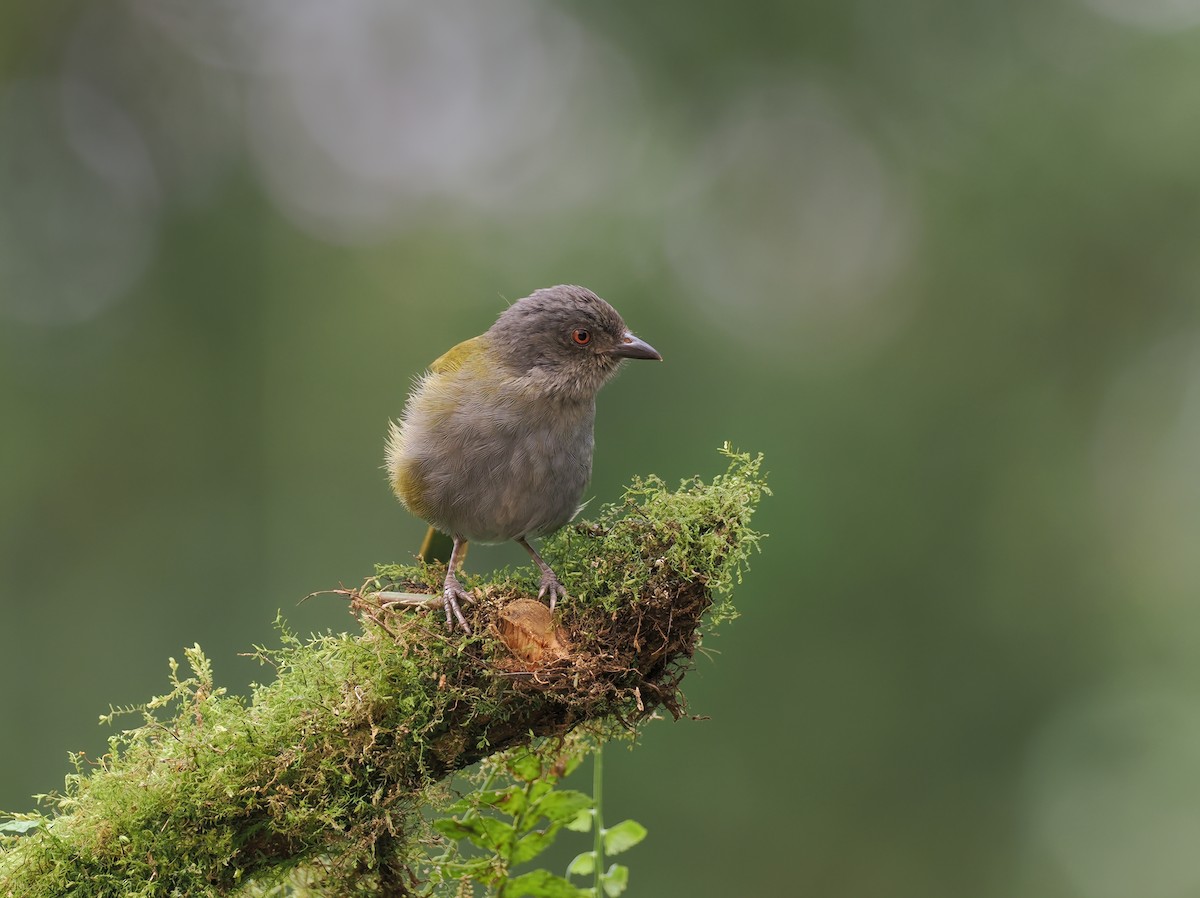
<point x="521" y="823"/>
<point x="598" y="819"/>
<point x="470" y="814"/>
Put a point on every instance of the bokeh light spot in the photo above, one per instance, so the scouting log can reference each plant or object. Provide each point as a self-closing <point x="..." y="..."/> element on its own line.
<point x="791" y="225"/>
<point x="1113" y="792"/>
<point x="1144" y="462"/>
<point x="365" y="116"/>
<point x="78" y="221"/>
<point x="1155" y="15"/>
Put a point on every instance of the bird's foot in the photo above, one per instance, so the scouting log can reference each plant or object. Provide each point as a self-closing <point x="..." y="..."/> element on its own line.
<point x="551" y="587"/>
<point x="451" y="596"/>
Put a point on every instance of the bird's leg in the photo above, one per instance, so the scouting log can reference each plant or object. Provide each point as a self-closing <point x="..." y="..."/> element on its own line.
<point x="550" y="582"/>
<point x="453" y="592"/>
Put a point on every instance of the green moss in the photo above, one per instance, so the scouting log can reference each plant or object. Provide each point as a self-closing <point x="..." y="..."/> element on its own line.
<point x="317" y="783"/>
<point x="656" y="538"/>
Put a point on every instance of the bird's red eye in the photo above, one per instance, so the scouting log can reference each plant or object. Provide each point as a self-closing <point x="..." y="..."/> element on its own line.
<point x="582" y="337"/>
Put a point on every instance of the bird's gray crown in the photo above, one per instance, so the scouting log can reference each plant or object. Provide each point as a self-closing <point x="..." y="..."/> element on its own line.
<point x="540" y="331"/>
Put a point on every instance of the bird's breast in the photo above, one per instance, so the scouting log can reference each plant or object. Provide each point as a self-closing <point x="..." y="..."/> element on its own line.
<point x="493" y="468"/>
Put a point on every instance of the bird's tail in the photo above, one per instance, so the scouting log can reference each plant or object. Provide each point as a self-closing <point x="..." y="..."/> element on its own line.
<point x="437" y="547"/>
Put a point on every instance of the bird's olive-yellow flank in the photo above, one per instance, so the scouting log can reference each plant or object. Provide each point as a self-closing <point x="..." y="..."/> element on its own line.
<point x="495" y="441"/>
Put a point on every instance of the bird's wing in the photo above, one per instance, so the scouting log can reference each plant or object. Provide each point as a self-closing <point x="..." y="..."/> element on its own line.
<point x="454" y="358"/>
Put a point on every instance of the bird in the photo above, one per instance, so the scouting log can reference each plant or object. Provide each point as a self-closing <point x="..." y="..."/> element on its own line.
<point x="495" y="440"/>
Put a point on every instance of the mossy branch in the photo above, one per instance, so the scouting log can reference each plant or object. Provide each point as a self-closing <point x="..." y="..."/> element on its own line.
<point x="330" y="766"/>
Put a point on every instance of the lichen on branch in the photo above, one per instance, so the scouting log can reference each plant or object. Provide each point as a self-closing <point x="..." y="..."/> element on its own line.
<point x="325" y="774"/>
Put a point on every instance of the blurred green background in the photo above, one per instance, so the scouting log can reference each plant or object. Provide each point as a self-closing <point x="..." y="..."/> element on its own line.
<point x="940" y="261"/>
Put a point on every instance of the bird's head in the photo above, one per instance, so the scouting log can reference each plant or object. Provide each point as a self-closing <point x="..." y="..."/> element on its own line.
<point x="566" y="340"/>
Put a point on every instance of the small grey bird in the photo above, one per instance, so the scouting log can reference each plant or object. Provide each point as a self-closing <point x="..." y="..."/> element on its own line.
<point x="495" y="442"/>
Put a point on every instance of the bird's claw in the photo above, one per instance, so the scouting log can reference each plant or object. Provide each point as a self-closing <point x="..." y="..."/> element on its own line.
<point x="551" y="586"/>
<point x="451" y="596"/>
